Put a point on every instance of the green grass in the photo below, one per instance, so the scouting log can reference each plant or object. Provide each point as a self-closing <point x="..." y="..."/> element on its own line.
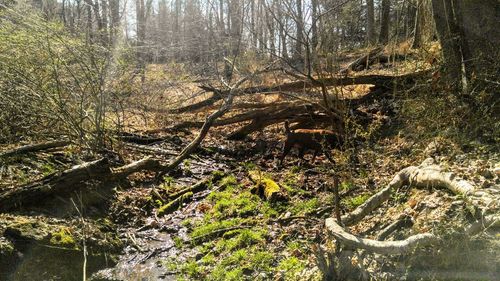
<point x="354" y="202"/>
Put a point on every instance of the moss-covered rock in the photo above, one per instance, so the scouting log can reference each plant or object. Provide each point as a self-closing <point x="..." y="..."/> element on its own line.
<point x="264" y="185"/>
<point x="63" y="238"/>
<point x="29" y="230"/>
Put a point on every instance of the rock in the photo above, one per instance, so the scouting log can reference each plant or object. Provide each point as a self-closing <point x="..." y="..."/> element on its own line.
<point x="486" y="184"/>
<point x="432" y="148"/>
<point x="486" y="173"/>
<point x="496" y="171"/>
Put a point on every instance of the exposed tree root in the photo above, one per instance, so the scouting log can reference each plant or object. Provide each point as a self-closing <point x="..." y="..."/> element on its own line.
<point x="381" y="247"/>
<point x="426" y="175"/>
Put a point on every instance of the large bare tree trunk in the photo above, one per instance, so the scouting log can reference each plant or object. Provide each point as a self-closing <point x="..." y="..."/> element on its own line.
<point x="449" y="38"/>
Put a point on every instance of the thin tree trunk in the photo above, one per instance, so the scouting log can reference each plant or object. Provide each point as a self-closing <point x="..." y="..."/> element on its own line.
<point x="370" y="15"/>
<point x="384" y="22"/>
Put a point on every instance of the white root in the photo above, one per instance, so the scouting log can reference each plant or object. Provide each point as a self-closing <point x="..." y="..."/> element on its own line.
<point x="381" y="247"/>
<point x="426" y="175"/>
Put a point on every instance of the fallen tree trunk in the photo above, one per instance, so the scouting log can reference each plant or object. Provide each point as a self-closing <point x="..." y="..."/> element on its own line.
<point x="138" y="139"/>
<point x="278" y="112"/>
<point x="56" y="183"/>
<point x="195" y="106"/>
<point x="34" y="148"/>
<point x="364" y="61"/>
<point x="199" y="186"/>
<point x="381" y="247"/>
<point x="387" y="81"/>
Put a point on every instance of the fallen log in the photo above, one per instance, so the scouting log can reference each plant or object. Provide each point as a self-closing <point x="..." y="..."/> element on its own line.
<point x="195" y="106"/>
<point x="364" y="61"/>
<point x="381" y="247"/>
<point x="387" y="81"/>
<point x="268" y="112"/>
<point x="138" y="139"/>
<point x="57" y="183"/>
<point x="34" y="148"/>
<point x="199" y="186"/>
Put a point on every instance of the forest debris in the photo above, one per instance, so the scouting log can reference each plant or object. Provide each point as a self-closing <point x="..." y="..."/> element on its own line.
<point x="34" y="148"/>
<point x="403" y="221"/>
<point x="387" y="81"/>
<point x="174" y="204"/>
<point x="199" y="186"/>
<point x="151" y="149"/>
<point x="381" y="247"/>
<point x="264" y="185"/>
<point x="490" y="221"/>
<point x="364" y="61"/>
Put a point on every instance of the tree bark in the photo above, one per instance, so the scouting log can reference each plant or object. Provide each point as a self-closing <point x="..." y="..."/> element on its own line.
<point x="384" y="22"/>
<point x="370" y="22"/>
<point x="417" y="30"/>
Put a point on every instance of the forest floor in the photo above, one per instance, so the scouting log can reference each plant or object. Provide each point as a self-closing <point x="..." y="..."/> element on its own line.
<point x="228" y="230"/>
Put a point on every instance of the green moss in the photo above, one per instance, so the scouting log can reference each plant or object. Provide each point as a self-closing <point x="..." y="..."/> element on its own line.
<point x="207" y="228"/>
<point x="208" y="259"/>
<point x="242" y="238"/>
<point x="63" y="238"/>
<point x="28" y="229"/>
<point x="192" y="269"/>
<point x="168" y="184"/>
<point x="217" y="175"/>
<point x="221" y="273"/>
<point x="305" y="206"/>
<point x="178" y="242"/>
<point x="48" y="168"/>
<point x="346" y="186"/>
<point x="6" y="247"/>
<point x="229" y="181"/>
<point x="291" y="266"/>
<point x="171" y="206"/>
<point x="356" y="201"/>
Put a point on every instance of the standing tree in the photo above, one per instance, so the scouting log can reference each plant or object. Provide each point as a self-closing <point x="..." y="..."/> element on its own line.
<point x="384" y="22"/>
<point x="370" y="22"/>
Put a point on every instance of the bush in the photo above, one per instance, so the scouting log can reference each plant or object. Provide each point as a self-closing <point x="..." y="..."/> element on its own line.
<point x="52" y="83"/>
